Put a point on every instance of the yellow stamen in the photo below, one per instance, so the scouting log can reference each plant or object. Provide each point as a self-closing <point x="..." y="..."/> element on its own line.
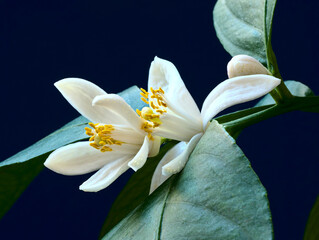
<point x="155" y="98"/>
<point x="100" y="136"/>
<point x="161" y="111"/>
<point x="144" y="100"/>
<point x="94" y="145"/>
<point x="144" y="95"/>
<point x="161" y="90"/>
<point x="106" y="149"/>
<point x="152" y="90"/>
<point x="153" y="105"/>
<point x="144" y="91"/>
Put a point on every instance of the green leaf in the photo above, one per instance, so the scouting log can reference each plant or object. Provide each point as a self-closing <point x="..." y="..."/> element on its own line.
<point x="216" y="196"/>
<point x="135" y="191"/>
<point x="17" y="172"/>
<point x="312" y="229"/>
<point x="244" y="27"/>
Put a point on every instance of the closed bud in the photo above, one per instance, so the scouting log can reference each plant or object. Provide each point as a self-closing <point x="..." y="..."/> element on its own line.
<point x="242" y="65"/>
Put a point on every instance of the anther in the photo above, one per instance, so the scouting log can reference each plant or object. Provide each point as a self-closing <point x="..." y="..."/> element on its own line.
<point x="144" y="91"/>
<point x="153" y="105"/>
<point x="161" y="90"/>
<point x="144" y="95"/>
<point x="144" y="100"/>
<point x="100" y="137"/>
<point x="152" y="90"/>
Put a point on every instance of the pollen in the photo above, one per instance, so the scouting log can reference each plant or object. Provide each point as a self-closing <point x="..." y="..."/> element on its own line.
<point x="100" y="136"/>
<point x="155" y="98"/>
<point x="152" y="115"/>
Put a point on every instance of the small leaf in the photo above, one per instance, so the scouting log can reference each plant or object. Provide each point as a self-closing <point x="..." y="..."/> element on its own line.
<point x="244" y="27"/>
<point x="17" y="172"/>
<point x="312" y="228"/>
<point x="216" y="196"/>
<point x="135" y="191"/>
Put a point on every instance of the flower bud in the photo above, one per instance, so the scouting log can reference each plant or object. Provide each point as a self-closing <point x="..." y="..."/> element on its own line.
<point x="241" y="65"/>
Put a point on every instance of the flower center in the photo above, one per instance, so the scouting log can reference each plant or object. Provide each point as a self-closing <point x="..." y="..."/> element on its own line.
<point x="100" y="136"/>
<point x="153" y="113"/>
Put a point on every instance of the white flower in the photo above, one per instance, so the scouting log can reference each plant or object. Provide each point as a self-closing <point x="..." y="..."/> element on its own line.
<point x="117" y="140"/>
<point x="175" y="115"/>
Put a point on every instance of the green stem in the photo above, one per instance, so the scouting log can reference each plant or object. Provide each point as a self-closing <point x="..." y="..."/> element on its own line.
<point x="311" y="104"/>
<point x="283" y="91"/>
<point x="276" y="96"/>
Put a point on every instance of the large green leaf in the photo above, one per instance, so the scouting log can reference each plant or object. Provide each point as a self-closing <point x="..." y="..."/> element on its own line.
<point x="17" y="172"/>
<point x="216" y="196"/>
<point x="244" y="27"/>
<point x="312" y="228"/>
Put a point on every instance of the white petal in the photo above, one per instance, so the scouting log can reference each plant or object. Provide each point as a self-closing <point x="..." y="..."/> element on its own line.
<point x="140" y="158"/>
<point x="164" y="74"/>
<point x="158" y="178"/>
<point x="120" y="110"/>
<point x="127" y="135"/>
<point x="80" y="94"/>
<point x="234" y="91"/>
<point x="106" y="175"/>
<point x="173" y="161"/>
<point x="242" y="65"/>
<point x="177" y="128"/>
<point x="178" y="163"/>
<point x="80" y="158"/>
<point x="155" y="146"/>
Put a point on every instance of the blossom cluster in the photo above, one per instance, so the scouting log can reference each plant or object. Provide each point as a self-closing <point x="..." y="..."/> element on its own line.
<point x="120" y="138"/>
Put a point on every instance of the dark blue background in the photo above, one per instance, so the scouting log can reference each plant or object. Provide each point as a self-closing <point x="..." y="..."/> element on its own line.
<point x="112" y="44"/>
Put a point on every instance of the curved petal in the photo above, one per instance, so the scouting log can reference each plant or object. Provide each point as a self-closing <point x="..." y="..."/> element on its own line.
<point x="117" y="107"/>
<point x="80" y="158"/>
<point x="234" y="91"/>
<point x="178" y="163"/>
<point x="106" y="175"/>
<point x="158" y="178"/>
<point x="173" y="161"/>
<point x="80" y="94"/>
<point x="241" y="65"/>
<point x="164" y="74"/>
<point x="140" y="158"/>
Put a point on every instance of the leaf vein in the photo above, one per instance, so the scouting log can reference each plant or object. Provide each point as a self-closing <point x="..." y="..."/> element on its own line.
<point x="240" y="19"/>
